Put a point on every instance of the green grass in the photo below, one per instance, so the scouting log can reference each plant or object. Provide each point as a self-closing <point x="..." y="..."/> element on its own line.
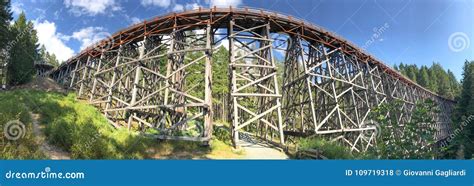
<point x="329" y="149"/>
<point x="13" y="108"/>
<point x="81" y="130"/>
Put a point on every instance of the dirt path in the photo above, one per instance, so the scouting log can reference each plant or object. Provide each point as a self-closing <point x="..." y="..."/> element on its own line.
<point x="257" y="149"/>
<point x="51" y="151"/>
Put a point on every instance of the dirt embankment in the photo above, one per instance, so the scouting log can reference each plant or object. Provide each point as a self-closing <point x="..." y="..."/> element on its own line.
<point x="42" y="83"/>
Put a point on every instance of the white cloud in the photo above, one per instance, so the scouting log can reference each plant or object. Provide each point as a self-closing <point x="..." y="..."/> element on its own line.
<point x="160" y="3"/>
<point x="91" y="7"/>
<point x="225" y="3"/>
<point x="52" y="41"/>
<point x="89" y="35"/>
<point x="192" y="6"/>
<point x="188" y="6"/>
<point x="132" y="20"/>
<point x="135" y="20"/>
<point x="178" y="8"/>
<point x="17" y="8"/>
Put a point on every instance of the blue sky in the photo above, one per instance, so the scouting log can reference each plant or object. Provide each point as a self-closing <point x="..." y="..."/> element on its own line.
<point x="409" y="31"/>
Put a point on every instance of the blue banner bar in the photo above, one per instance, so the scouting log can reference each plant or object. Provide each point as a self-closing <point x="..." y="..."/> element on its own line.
<point x="241" y="172"/>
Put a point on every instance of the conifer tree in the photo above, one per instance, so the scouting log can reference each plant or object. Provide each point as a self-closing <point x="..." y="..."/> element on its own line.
<point x="5" y="18"/>
<point x="23" y="53"/>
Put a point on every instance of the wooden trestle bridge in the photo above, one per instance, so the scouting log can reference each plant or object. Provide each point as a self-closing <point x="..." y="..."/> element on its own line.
<point x="139" y="78"/>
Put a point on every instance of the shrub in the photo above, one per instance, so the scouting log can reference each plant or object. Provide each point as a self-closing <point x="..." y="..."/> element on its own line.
<point x="414" y="139"/>
<point x="329" y="149"/>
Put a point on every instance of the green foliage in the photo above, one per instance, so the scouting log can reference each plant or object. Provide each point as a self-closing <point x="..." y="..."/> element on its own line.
<point x="23" y="52"/>
<point x="223" y="133"/>
<point x="434" y="78"/>
<point x="423" y="77"/>
<point x="81" y="130"/>
<point x="329" y="149"/>
<point x="220" y="66"/>
<point x="25" y="147"/>
<point x="47" y="57"/>
<point x="220" y="80"/>
<point x="462" y="118"/>
<point x="411" y="140"/>
<point x="5" y="18"/>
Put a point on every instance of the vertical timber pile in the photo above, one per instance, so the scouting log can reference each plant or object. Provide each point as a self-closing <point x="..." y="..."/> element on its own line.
<point x="298" y="106"/>
<point x="253" y="80"/>
<point x="3" y="73"/>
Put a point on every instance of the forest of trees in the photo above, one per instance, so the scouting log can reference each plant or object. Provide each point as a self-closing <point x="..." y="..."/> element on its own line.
<point x="47" y="57"/>
<point x="434" y="78"/>
<point x="462" y="141"/>
<point x="19" y="47"/>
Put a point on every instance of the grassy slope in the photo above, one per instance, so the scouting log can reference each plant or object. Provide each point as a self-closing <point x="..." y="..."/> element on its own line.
<point x="81" y="130"/>
<point x="13" y="108"/>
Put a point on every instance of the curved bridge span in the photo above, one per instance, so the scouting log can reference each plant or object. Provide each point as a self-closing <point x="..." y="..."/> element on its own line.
<point x="286" y="77"/>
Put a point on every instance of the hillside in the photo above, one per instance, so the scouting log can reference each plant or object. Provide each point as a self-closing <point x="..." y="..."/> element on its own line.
<point x="80" y="130"/>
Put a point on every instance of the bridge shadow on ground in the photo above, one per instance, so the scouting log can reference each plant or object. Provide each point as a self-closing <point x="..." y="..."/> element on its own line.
<point x="259" y="149"/>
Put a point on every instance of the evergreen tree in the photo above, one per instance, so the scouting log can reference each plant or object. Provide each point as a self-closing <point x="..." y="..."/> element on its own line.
<point x="5" y="18"/>
<point x="434" y="78"/>
<point x="412" y="72"/>
<point x="23" y="52"/>
<point x="5" y="36"/>
<point x="454" y="84"/>
<point x="47" y="58"/>
<point x="463" y="114"/>
<point x="220" y="65"/>
<point x="52" y="60"/>
<point x="423" y="77"/>
<point x="444" y="86"/>
<point x="402" y="69"/>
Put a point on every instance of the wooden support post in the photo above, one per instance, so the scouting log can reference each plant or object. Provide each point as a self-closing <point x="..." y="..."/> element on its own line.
<point x="233" y="80"/>
<point x="136" y="82"/>
<point x="83" y="79"/>
<point x="94" y="84"/>
<point x="74" y="73"/>
<point x="112" y="82"/>
<point x="208" y="113"/>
